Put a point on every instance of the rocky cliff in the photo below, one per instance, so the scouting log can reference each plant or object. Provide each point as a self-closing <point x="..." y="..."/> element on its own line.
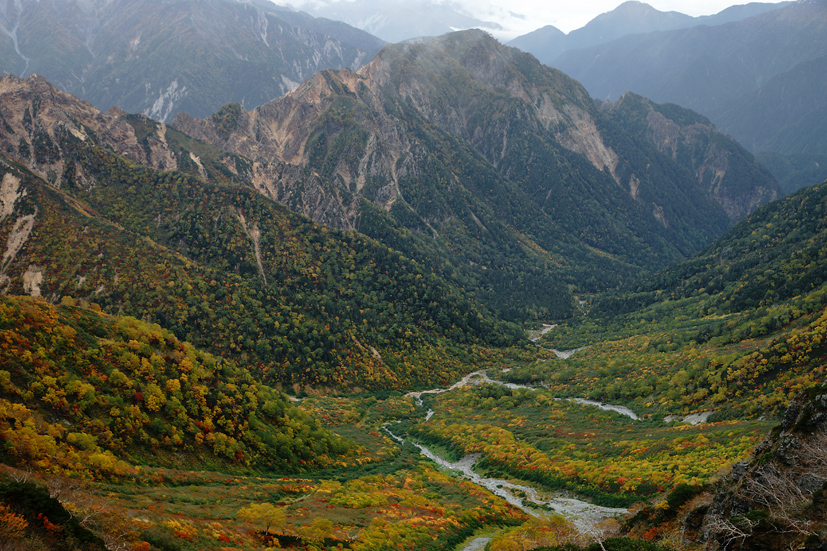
<point x="728" y="173"/>
<point x="35" y="117"/>
<point x="778" y="500"/>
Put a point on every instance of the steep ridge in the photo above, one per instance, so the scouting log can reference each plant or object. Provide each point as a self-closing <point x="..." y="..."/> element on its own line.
<point x="36" y="116"/>
<point x="462" y="130"/>
<point x="695" y="145"/>
<point x="335" y="150"/>
<point x="563" y="120"/>
<point x="159" y="57"/>
<point x="217" y="263"/>
<point x="758" y="79"/>
<point x="736" y="330"/>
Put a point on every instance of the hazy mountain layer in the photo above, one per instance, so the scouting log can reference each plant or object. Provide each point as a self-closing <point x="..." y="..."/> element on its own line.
<point x="759" y="79"/>
<point x="629" y="18"/>
<point x="397" y="20"/>
<point x="160" y="57"/>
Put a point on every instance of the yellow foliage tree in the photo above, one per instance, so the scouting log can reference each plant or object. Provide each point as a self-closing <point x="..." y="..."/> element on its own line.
<point x="263" y="514"/>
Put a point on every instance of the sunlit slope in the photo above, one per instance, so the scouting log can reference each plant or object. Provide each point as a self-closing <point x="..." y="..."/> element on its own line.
<point x="86" y="392"/>
<point x="234" y="272"/>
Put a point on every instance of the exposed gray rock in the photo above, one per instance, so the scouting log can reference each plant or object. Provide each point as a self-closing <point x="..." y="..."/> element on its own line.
<point x="790" y="416"/>
<point x="810" y="483"/>
<point x="786" y="450"/>
<point x="738" y="470"/>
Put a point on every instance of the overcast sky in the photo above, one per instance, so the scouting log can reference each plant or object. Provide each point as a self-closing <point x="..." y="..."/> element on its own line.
<point x="518" y="17"/>
<point x="569" y="15"/>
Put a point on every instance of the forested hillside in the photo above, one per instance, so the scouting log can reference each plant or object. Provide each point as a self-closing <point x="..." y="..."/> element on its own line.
<point x="720" y="165"/>
<point x="131" y="393"/>
<point x="227" y="269"/>
<point x="777" y="254"/>
<point x="738" y="329"/>
<point x="116" y="434"/>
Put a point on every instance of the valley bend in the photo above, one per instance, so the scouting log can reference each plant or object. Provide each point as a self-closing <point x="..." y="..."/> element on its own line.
<point x="413" y="277"/>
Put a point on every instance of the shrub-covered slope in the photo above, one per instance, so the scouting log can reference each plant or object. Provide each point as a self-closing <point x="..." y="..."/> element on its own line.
<point x="229" y="270"/>
<point x="82" y="391"/>
<point x="739" y="329"/>
<point x="778" y="253"/>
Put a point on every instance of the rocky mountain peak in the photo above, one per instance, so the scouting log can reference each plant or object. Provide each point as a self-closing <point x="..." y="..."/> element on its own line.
<point x="35" y="116"/>
<point x="345" y="136"/>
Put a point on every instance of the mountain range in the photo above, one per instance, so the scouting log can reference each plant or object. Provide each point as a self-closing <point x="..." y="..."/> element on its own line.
<point x="159" y="58"/>
<point x="398" y="21"/>
<point x="156" y="57"/>
<point x="758" y="78"/>
<point x="373" y="231"/>
<point x="629" y="18"/>
<point x="503" y="165"/>
<point x="397" y="152"/>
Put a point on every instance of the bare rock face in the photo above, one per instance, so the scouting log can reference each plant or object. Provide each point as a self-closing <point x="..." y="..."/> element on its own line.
<point x="777" y="500"/>
<point x="36" y="117"/>
<point x="280" y="136"/>
<point x="459" y="72"/>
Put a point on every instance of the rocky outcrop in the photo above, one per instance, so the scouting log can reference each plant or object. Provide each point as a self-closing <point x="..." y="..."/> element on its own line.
<point x="778" y="500"/>
<point x="37" y="117"/>
<point x="276" y="136"/>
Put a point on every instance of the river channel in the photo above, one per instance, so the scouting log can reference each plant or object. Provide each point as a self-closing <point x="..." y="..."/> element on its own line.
<point x="583" y="515"/>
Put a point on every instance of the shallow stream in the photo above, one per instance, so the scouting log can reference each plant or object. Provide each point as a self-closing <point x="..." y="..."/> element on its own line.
<point x="580" y="513"/>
